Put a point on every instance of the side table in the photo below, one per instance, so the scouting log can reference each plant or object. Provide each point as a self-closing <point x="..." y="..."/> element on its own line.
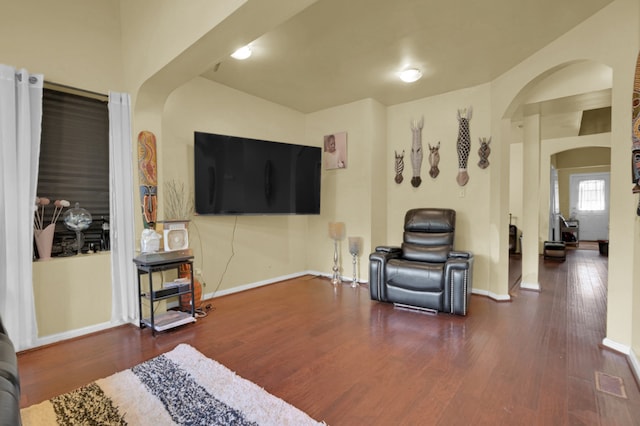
<point x="149" y="263"/>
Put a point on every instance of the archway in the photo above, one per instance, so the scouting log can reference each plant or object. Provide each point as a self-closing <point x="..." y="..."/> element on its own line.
<point x="551" y="114"/>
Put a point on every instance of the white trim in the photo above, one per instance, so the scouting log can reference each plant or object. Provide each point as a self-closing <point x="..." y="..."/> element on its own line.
<point x="626" y="350"/>
<point x="491" y="295"/>
<point x="618" y="347"/>
<point x="530" y="286"/>
<point x="343" y="278"/>
<point x="55" y="338"/>
<point x="254" y="285"/>
<point x="635" y="363"/>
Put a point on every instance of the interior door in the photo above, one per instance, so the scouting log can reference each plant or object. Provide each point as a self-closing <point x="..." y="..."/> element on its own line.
<point x="589" y="203"/>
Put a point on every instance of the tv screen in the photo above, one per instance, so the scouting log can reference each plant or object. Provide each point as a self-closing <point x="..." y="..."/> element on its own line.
<point x="235" y="175"/>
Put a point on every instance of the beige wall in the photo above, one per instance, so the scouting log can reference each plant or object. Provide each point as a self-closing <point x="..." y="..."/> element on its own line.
<point x="71" y="42"/>
<point x="348" y="195"/>
<point x="256" y="247"/>
<point x="155" y="32"/>
<point x="516" y="195"/>
<point x="471" y="202"/>
<point x="72" y="293"/>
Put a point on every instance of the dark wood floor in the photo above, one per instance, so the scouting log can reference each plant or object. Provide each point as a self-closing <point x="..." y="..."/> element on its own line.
<point x="347" y="360"/>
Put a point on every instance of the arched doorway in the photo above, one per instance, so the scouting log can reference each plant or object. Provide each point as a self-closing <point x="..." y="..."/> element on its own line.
<point x="565" y="109"/>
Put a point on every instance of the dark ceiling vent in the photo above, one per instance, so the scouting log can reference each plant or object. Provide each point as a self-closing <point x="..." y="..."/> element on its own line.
<point x="595" y="121"/>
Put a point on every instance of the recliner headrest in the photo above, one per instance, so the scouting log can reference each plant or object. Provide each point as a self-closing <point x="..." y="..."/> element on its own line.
<point x="430" y="220"/>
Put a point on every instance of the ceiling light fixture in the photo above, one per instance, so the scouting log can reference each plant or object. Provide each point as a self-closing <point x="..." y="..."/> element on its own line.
<point x="242" y="53"/>
<point x="410" y="75"/>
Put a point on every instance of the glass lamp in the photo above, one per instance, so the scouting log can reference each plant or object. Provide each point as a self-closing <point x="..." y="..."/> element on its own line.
<point x="336" y="232"/>
<point x="77" y="219"/>
<point x="355" y="247"/>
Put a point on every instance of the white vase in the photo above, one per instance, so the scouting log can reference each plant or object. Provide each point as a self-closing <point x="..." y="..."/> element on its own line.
<point x="44" y="241"/>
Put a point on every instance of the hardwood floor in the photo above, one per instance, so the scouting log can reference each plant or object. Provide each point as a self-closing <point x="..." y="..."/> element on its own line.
<point x="346" y="360"/>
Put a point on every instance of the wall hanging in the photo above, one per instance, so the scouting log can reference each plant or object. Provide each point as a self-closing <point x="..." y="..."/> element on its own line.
<point x="416" y="151"/>
<point x="434" y="159"/>
<point x="335" y="151"/>
<point x="635" y="133"/>
<point x="463" y="145"/>
<point x="148" y="177"/>
<point x="484" y="152"/>
<point x="399" y="166"/>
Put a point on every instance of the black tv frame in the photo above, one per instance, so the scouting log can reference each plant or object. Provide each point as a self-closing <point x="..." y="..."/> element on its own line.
<point x="236" y="175"/>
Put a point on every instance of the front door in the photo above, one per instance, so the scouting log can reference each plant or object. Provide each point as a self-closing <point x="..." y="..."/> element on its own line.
<point x="589" y="203"/>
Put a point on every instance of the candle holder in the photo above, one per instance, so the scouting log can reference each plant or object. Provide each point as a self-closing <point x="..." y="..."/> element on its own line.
<point x="336" y="232"/>
<point x="355" y="247"/>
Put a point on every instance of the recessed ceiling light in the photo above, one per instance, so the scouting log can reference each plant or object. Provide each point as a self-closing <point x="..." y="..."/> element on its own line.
<point x="410" y="75"/>
<point x="242" y="53"/>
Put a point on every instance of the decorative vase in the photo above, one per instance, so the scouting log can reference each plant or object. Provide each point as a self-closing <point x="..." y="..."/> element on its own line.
<point x="44" y="241"/>
<point x="184" y="271"/>
<point x="185" y="299"/>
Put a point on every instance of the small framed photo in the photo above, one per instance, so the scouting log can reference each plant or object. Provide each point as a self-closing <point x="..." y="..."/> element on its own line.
<point x="335" y="151"/>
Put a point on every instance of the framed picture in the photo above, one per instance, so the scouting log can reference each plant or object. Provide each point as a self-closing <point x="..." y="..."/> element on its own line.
<point x="335" y="151"/>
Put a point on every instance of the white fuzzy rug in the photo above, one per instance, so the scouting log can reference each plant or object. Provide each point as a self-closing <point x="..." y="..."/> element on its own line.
<point x="180" y="387"/>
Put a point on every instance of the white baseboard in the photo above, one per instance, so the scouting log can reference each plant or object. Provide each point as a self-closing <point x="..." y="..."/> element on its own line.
<point x="530" y="286"/>
<point x="618" y="347"/>
<point x="635" y="364"/>
<point x="257" y="284"/>
<point x="342" y="277"/>
<point x="254" y="285"/>
<point x="626" y="350"/>
<point x="491" y="295"/>
<point x="55" y="338"/>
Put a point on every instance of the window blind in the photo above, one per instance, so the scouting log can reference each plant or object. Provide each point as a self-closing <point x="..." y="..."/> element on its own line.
<point x="74" y="153"/>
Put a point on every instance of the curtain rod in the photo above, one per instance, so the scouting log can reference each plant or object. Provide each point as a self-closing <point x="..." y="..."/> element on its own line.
<point x="75" y="90"/>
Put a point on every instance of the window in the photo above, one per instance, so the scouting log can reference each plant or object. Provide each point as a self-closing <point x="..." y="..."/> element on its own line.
<point x="74" y="164"/>
<point x="591" y="195"/>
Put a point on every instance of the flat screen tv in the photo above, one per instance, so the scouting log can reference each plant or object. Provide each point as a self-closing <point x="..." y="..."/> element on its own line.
<point x="236" y="176"/>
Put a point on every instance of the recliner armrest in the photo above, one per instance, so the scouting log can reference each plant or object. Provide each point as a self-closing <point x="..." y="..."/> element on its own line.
<point x="459" y="255"/>
<point x="377" y="270"/>
<point x="388" y="249"/>
<point x="458" y="282"/>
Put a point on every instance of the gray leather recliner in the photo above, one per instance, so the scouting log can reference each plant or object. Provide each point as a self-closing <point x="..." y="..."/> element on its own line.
<point x="9" y="382"/>
<point x="425" y="271"/>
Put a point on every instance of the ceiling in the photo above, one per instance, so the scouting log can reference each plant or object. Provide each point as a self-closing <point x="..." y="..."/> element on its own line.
<point x="338" y="51"/>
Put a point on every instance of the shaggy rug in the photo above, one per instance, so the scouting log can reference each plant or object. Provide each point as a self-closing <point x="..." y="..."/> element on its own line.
<point x="179" y="387"/>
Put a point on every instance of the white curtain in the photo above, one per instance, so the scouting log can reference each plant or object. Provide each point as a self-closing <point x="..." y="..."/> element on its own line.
<point x="20" y="129"/>
<point x="124" y="282"/>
